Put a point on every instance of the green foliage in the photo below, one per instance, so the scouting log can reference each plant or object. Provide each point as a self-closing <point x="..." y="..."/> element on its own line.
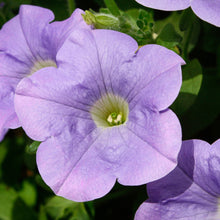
<point x="169" y="37"/>
<point x="32" y="148"/>
<point x="137" y="23"/>
<point x="205" y="109"/>
<point x="23" y="193"/>
<point x="71" y="6"/>
<point x="192" y="80"/>
<point x="113" y="8"/>
<point x="59" y="208"/>
<point x="12" y="207"/>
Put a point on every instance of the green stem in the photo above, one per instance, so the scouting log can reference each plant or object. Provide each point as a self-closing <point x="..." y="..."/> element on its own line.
<point x="189" y="29"/>
<point x="112" y="6"/>
<point x="187" y="42"/>
<point x="71" y="6"/>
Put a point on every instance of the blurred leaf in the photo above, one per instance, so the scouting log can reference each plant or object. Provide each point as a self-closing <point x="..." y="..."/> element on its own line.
<point x="41" y="183"/>
<point x="209" y="38"/>
<point x="16" y="4"/>
<point x="7" y="198"/>
<point x="185" y="19"/>
<point x="168" y="37"/>
<point x="113" y="8"/>
<point x="71" y="6"/>
<point x="32" y="148"/>
<point x="205" y="109"/>
<point x="173" y="19"/>
<point x="90" y="208"/>
<point x="60" y="208"/>
<point x="12" y="164"/>
<point x="12" y="206"/>
<point x="59" y="7"/>
<point x="42" y="214"/>
<point x="3" y="151"/>
<point x="190" y="25"/>
<point x="28" y="193"/>
<point x="192" y="80"/>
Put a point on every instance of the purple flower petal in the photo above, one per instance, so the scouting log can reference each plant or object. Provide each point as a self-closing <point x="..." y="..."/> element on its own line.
<point x="145" y="138"/>
<point x="29" y="42"/>
<point x="33" y="29"/>
<point x="166" y="5"/>
<point x="207" y="10"/>
<point x="73" y="175"/>
<point x="15" y="45"/>
<point x="191" y="191"/>
<point x="147" y="72"/>
<point x="52" y="94"/>
<point x="81" y="108"/>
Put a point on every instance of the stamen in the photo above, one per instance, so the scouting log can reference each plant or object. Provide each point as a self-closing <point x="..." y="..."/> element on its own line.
<point x="110" y="110"/>
<point x="115" y="119"/>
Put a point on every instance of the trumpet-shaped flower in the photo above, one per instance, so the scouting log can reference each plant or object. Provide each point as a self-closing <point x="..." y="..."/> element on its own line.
<point x="191" y="191"/>
<point x="28" y="42"/>
<point x="207" y="10"/>
<point x="103" y="114"/>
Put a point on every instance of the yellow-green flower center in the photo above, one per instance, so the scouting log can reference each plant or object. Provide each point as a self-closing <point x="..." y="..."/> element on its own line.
<point x="41" y="64"/>
<point x="110" y="110"/>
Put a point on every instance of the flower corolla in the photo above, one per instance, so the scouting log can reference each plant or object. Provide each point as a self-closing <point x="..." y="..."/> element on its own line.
<point x="207" y="10"/>
<point x="191" y="191"/>
<point x="28" y="42"/>
<point x="103" y="115"/>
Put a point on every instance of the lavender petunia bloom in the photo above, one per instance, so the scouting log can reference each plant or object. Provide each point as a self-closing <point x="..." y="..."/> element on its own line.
<point x="102" y="115"/>
<point x="207" y="10"/>
<point x="28" y="42"/>
<point x="191" y="191"/>
<point x="2" y="4"/>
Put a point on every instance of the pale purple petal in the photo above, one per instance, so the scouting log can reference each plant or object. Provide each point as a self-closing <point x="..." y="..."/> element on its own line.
<point x="15" y="45"/>
<point x="48" y="97"/>
<point x="57" y="32"/>
<point x="207" y="163"/>
<point x="8" y="117"/>
<point x="77" y="170"/>
<point x="94" y="66"/>
<point x="148" y="74"/>
<point x="89" y="54"/>
<point x="156" y="136"/>
<point x="25" y="40"/>
<point x="33" y="29"/>
<point x="194" y="204"/>
<point x="207" y="10"/>
<point x="191" y="191"/>
<point x="166" y="5"/>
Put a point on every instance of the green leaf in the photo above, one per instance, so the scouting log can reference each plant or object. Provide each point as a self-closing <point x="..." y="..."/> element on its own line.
<point x="190" y="25"/>
<point x="205" y="109"/>
<point x="71" y="6"/>
<point x="192" y="80"/>
<point x="173" y="19"/>
<point x="169" y="37"/>
<point x="12" y="206"/>
<point x="28" y="193"/>
<point x="113" y="8"/>
<point x="60" y="208"/>
<point x="42" y="214"/>
<point x="32" y="148"/>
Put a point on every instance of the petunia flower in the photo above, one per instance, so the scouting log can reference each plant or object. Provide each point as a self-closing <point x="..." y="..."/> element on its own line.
<point x="191" y="191"/>
<point x="103" y="114"/>
<point x="2" y="4"/>
<point x="28" y="42"/>
<point x="207" y="10"/>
